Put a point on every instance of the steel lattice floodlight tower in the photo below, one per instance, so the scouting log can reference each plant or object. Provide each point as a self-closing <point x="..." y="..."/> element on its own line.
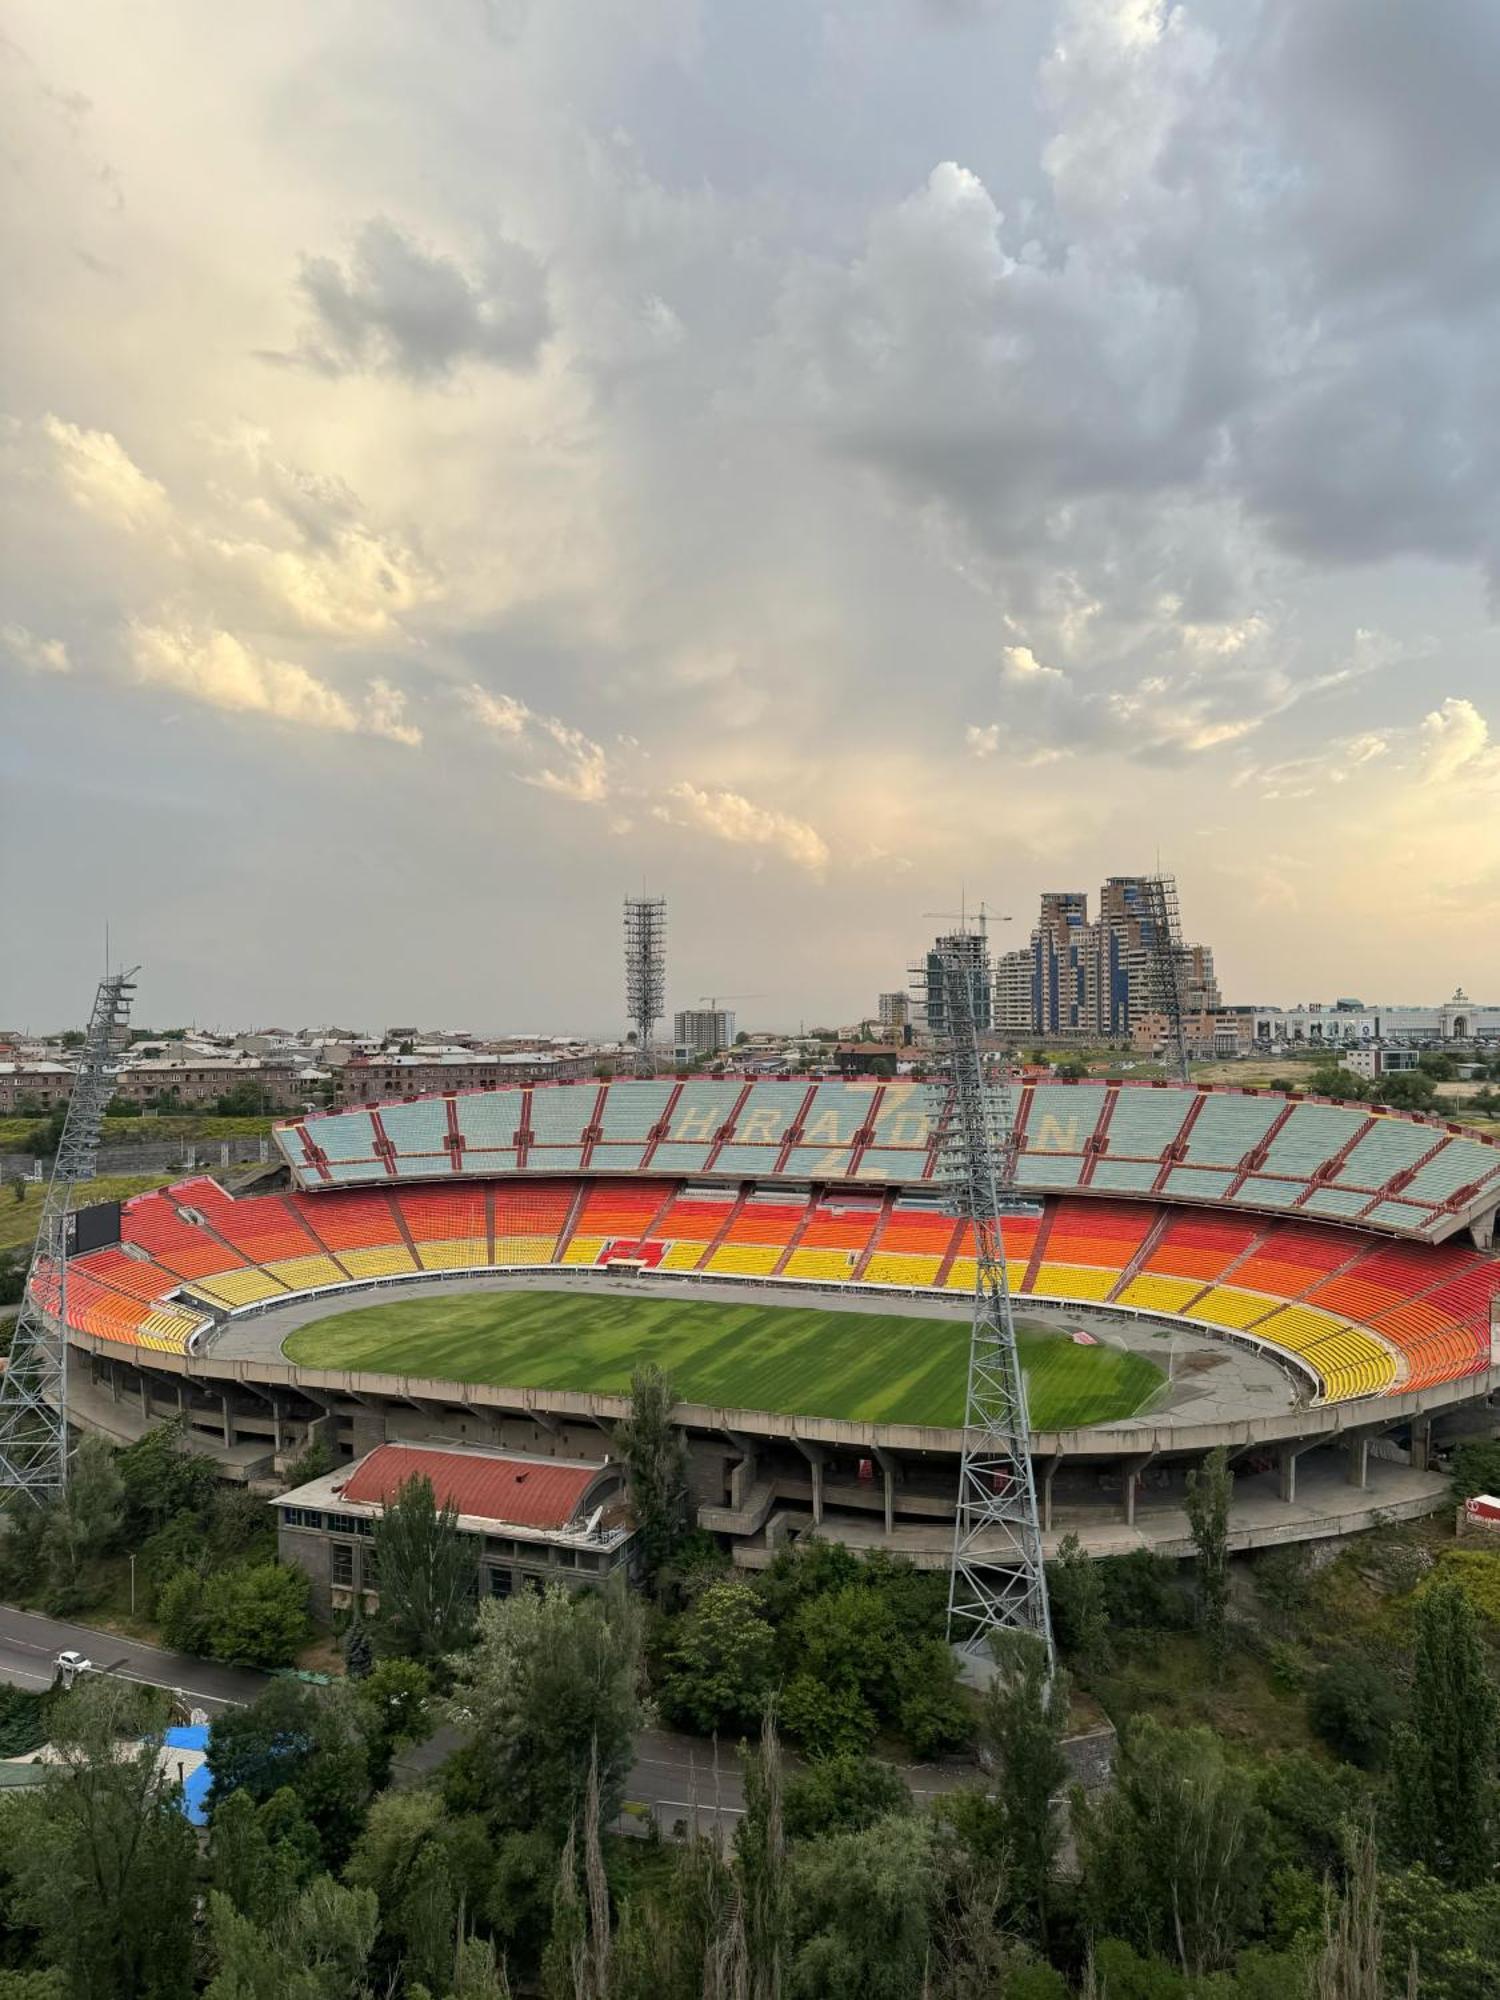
<point x="1164" y="968"/>
<point x="997" y="1582"/>
<point x="645" y="973"/>
<point x="34" y="1388"/>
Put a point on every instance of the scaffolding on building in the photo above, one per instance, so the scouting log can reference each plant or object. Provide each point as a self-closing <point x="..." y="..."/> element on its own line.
<point x="1162" y="939"/>
<point x="34" y="1387"/>
<point x="645" y="974"/>
<point x="997" y="1582"/>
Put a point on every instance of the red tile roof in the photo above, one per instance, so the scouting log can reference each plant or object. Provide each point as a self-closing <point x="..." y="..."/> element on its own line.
<point x="520" y="1492"/>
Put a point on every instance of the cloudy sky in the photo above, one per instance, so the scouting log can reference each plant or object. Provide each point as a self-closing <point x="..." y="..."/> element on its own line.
<point x="462" y="461"/>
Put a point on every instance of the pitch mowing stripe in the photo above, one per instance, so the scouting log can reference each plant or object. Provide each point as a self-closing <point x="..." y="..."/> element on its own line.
<point x="868" y="1367"/>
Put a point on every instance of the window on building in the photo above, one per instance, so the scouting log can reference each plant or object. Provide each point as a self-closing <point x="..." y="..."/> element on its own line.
<point x="369" y="1567"/>
<point x="343" y="1524"/>
<point x="341" y="1564"/>
<point x="501" y="1580"/>
<point x="301" y="1517"/>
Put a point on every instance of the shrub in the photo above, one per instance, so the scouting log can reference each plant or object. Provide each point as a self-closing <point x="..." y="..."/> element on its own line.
<point x="1353" y="1709"/>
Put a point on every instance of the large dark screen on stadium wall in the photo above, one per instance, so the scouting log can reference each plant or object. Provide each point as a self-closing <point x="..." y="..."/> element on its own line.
<point x="96" y="1228"/>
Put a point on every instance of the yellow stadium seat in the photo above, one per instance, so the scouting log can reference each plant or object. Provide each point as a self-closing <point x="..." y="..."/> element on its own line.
<point x="1073" y="1281"/>
<point x="584" y="1249"/>
<point x="826" y="1266"/>
<point x="682" y="1257"/>
<point x="1168" y="1295"/>
<point x="888" y="1267"/>
<point x="302" y="1273"/>
<point x="745" y="1260"/>
<point x="459" y="1253"/>
<point x="1224" y="1306"/>
<point x="392" y="1260"/>
<point x="239" y="1288"/>
<point x="524" y="1249"/>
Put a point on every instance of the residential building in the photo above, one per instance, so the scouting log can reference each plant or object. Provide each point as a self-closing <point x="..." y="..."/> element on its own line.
<point x="531" y="1521"/>
<point x="374" y="1078"/>
<point x="967" y="948"/>
<point x="1094" y="981"/>
<point x="894" y="1012"/>
<point x="702" y="1031"/>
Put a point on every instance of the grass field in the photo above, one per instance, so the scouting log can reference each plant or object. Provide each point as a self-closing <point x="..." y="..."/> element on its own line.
<point x="18" y="1219"/>
<point x="878" y="1367"/>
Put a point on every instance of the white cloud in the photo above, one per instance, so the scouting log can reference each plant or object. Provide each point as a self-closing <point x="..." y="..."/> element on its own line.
<point x="1021" y="665"/>
<point x="100" y="476"/>
<point x="37" y="656"/>
<point x="737" y="820"/>
<point x="584" y="776"/>
<point x="216" y="668"/>
<point x="1455" y="744"/>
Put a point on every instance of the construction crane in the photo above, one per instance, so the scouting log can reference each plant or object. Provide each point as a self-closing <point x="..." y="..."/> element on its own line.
<point x="712" y="1000"/>
<point x="961" y="917"/>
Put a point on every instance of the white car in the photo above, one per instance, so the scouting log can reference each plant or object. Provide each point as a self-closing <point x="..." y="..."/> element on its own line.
<point x="69" y="1665"/>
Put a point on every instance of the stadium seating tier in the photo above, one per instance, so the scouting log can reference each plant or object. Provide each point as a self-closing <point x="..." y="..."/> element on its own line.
<point x="1366" y="1315"/>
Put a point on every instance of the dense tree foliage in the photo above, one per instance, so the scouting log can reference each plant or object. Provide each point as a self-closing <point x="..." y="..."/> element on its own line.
<point x="656" y="1462"/>
<point x="426" y="1575"/>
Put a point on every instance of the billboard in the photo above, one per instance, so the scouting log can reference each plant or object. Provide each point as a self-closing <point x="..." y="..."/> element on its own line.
<point x="93" y="1228"/>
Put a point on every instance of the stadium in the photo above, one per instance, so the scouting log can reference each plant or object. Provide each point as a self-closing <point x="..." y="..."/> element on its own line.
<point x="1307" y="1283"/>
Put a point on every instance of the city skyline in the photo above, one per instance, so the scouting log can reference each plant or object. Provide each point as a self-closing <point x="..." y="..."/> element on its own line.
<point x="809" y="462"/>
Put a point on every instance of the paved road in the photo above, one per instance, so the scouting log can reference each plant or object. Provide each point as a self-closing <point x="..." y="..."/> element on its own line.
<point x="30" y="1643"/>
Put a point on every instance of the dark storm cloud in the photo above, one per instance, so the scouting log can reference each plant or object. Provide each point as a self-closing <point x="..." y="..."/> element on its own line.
<point x="404" y="310"/>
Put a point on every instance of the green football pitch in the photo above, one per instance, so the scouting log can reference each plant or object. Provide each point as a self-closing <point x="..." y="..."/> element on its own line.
<point x="875" y="1367"/>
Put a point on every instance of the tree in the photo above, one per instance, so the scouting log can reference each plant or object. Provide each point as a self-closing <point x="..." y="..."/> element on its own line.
<point x="104" y="1860"/>
<point x="549" y="1685"/>
<point x="1172" y="1856"/>
<point x="255" y="1614"/>
<point x="1208" y="1494"/>
<point x="760" y="1860"/>
<point x="721" y="1661"/>
<point x="423" y="1869"/>
<point x="1333" y="1080"/>
<point x="427" y="1570"/>
<point x="841" y="1795"/>
<point x="260" y="1857"/>
<point x="393" y="1700"/>
<point x="1441" y="1068"/>
<point x="862" y="1911"/>
<point x="1022" y="1722"/>
<point x="318" y="1949"/>
<point x="85" y="1519"/>
<point x="1354" y="1708"/>
<point x="1408" y="1090"/>
<point x="656" y="1462"/>
<point x="930" y="1711"/>
<point x="306" y="1737"/>
<point x="163" y="1478"/>
<point x="1080" y="1614"/>
<point x="1444" y="1759"/>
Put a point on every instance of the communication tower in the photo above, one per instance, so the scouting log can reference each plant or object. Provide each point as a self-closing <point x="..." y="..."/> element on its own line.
<point x="645" y="973"/>
<point x="34" y="1387"/>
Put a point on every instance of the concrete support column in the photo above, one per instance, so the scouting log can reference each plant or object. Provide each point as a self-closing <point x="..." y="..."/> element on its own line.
<point x="1286" y="1470"/>
<point x="1044" y="1490"/>
<point x="228" y="1421"/>
<point x="1359" y="1461"/>
<point x="1421" y="1444"/>
<point x="742" y="1476"/>
<point x="814" y="1455"/>
<point x="1132" y="1470"/>
<point x="890" y="1468"/>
